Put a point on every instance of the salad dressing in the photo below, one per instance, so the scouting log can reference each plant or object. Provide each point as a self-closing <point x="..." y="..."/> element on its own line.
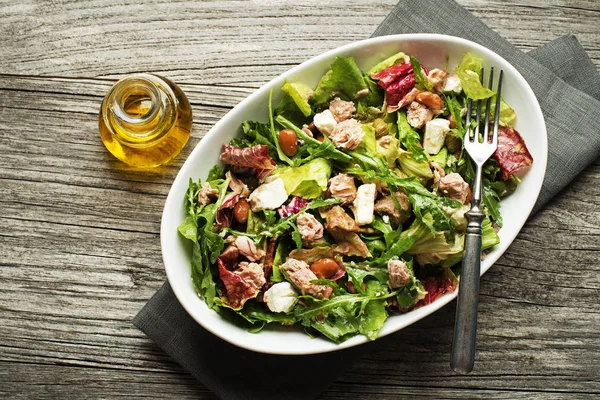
<point x="145" y="120"/>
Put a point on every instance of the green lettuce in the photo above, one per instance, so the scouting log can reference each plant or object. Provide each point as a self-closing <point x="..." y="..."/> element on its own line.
<point x="299" y="93"/>
<point x="344" y="79"/>
<point x="388" y="62"/>
<point x="308" y="181"/>
<point x="489" y="238"/>
<point x="468" y="71"/>
<point x="507" y="114"/>
<point x="411" y="167"/>
<point x="390" y="152"/>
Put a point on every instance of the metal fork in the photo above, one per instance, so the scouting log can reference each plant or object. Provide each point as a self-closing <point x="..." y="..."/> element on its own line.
<point x="465" y="327"/>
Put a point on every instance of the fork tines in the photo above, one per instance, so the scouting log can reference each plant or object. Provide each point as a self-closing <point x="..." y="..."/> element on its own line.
<point x="486" y="123"/>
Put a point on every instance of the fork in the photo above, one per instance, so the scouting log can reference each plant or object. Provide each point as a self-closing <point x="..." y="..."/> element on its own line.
<point x="465" y="326"/>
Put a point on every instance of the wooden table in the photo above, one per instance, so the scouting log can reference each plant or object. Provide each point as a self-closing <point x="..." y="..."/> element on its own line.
<point x="79" y="232"/>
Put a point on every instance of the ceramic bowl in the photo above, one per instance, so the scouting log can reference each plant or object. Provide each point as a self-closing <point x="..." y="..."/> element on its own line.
<point x="431" y="50"/>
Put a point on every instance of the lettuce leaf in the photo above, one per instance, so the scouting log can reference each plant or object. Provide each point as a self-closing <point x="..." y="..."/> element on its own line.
<point x="468" y="71"/>
<point x="299" y="93"/>
<point x="388" y="62"/>
<point x="507" y="114"/>
<point x="344" y="79"/>
<point x="411" y="167"/>
<point x="308" y="181"/>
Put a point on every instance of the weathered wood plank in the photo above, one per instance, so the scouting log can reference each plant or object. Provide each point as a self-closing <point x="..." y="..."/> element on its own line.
<point x="228" y="42"/>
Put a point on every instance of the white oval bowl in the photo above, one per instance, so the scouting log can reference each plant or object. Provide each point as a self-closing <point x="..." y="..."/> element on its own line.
<point x="431" y="50"/>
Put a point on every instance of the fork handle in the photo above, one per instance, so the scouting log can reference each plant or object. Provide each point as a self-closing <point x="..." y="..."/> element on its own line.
<point x="465" y="326"/>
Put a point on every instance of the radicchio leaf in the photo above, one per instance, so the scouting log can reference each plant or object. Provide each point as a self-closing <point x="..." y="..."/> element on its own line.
<point x="225" y="212"/>
<point x="237" y="186"/>
<point x="512" y="153"/>
<point x="256" y="157"/>
<point x="295" y="205"/>
<point x="397" y="91"/>
<point x="238" y="290"/>
<point x="437" y="286"/>
<point x="387" y="76"/>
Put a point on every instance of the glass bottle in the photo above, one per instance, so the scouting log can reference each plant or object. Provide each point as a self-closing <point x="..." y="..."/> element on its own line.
<point x="145" y="120"/>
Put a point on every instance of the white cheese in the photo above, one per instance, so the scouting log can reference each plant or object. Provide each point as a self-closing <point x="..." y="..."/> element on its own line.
<point x="452" y="84"/>
<point x="281" y="297"/>
<point x="459" y="219"/>
<point x="364" y="204"/>
<point x="325" y="122"/>
<point x="435" y="135"/>
<point x="268" y="196"/>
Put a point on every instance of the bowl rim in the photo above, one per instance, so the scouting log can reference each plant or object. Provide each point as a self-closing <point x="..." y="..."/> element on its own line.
<point x="329" y="55"/>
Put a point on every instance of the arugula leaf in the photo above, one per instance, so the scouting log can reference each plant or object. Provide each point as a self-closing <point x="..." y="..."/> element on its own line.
<point x="421" y="80"/>
<point x="414" y="291"/>
<point x="257" y="133"/>
<point x="409" y="138"/>
<point x="279" y="258"/>
<point x="375" y="313"/>
<point x="454" y="107"/>
<point x="296" y="236"/>
<point x="312" y="146"/>
<point x="491" y="202"/>
<point x="374" y="99"/>
<point x="430" y="211"/>
<point x="280" y="152"/>
<point x="215" y="173"/>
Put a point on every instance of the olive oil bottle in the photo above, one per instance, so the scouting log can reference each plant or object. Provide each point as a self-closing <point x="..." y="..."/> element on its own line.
<point x="145" y="120"/>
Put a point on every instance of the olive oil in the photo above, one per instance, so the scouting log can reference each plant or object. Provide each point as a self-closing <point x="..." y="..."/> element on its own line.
<point x="145" y="120"/>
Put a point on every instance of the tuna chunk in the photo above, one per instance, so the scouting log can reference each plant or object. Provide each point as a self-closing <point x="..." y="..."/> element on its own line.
<point x="248" y="249"/>
<point x="453" y="186"/>
<point x="387" y="206"/>
<point x="341" y="110"/>
<point x="437" y="79"/>
<point x="418" y="115"/>
<point x="299" y="273"/>
<point x="343" y="187"/>
<point x="399" y="274"/>
<point x="207" y="194"/>
<point x="343" y="228"/>
<point x="310" y="229"/>
<point x="347" y="134"/>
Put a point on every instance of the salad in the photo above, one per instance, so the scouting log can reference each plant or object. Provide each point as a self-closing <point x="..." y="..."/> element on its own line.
<point x="349" y="203"/>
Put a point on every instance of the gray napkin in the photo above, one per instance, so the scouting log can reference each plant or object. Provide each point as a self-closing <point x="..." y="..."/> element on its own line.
<point x="568" y="88"/>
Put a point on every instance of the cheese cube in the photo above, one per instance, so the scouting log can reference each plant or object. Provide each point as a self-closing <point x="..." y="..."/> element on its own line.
<point x="364" y="204"/>
<point x="325" y="122"/>
<point x="281" y="297"/>
<point x="452" y="85"/>
<point x="435" y="135"/>
<point x="268" y="196"/>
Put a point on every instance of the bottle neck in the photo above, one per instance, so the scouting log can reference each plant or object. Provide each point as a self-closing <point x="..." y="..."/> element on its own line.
<point x="140" y="109"/>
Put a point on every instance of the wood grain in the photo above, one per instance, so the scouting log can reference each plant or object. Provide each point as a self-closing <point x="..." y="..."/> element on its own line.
<point x="79" y="231"/>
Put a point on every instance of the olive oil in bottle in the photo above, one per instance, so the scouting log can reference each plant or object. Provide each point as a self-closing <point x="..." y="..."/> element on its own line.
<point x="145" y="120"/>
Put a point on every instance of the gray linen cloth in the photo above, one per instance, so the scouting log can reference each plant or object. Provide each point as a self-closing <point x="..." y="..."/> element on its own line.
<point x="567" y="85"/>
